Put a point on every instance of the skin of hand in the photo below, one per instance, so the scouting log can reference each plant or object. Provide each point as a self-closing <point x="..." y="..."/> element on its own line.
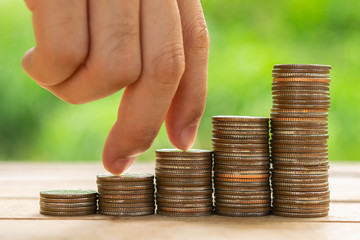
<point x="157" y="50"/>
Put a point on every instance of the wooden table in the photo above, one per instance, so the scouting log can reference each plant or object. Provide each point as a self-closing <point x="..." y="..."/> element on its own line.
<point x="20" y="184"/>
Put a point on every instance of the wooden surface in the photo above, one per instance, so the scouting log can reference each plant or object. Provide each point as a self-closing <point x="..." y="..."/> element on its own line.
<point x="20" y="184"/>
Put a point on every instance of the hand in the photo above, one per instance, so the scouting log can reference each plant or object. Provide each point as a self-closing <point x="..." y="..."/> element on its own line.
<point x="89" y="49"/>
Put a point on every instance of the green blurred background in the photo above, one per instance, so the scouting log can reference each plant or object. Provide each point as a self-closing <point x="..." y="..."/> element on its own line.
<point x="247" y="39"/>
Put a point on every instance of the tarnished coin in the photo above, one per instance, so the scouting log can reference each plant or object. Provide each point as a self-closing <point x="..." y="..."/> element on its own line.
<point x="187" y="205"/>
<point x="250" y="191"/>
<point x="68" y="209"/>
<point x="184" y="214"/>
<point x="201" y="175"/>
<point x="302" y="66"/>
<point x="240" y="180"/>
<point x="184" y="179"/>
<point x="185" y="189"/>
<point x="57" y="213"/>
<point x="244" y="188"/>
<point x="182" y="184"/>
<point x="62" y="193"/>
<point x="223" y="167"/>
<point x="241" y="214"/>
<point x="248" y="200"/>
<point x="128" y="205"/>
<point x="301" y="79"/>
<point x="126" y="209"/>
<point x="241" y="154"/>
<point x="184" y="192"/>
<point x="125" y="187"/>
<point x="240" y="141"/>
<point x="230" y="118"/>
<point x="309" y="203"/>
<point x="300" y="189"/>
<point x="126" y="214"/>
<point x="297" y="210"/>
<point x="301" y="194"/>
<point x="127" y="196"/>
<point x="240" y="184"/>
<point x="177" y="152"/>
<point x="182" y="196"/>
<point x="243" y="210"/>
<point x="301" y="215"/>
<point x="304" y="168"/>
<point x="300" y="172"/>
<point x="126" y="192"/>
<point x="187" y="209"/>
<point x="205" y="201"/>
<point x="299" y="181"/>
<point x="127" y="200"/>
<point x="242" y="176"/>
<point x="66" y="205"/>
<point x="244" y="205"/>
<point x="300" y="70"/>
<point x="68" y="200"/>
<point x="193" y="167"/>
<point x="182" y="171"/>
<point x="302" y="75"/>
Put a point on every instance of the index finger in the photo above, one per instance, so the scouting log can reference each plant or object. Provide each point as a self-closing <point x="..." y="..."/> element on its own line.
<point x="145" y="103"/>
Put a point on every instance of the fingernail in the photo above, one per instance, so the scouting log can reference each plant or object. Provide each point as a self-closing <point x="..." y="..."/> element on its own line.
<point x="120" y="166"/>
<point x="187" y="137"/>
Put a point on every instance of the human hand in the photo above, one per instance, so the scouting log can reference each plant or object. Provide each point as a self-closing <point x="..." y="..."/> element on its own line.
<point x="157" y="49"/>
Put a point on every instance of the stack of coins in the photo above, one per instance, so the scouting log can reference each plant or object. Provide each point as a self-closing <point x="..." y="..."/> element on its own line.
<point x="129" y="194"/>
<point x="184" y="182"/>
<point x="241" y="165"/>
<point x="68" y="202"/>
<point x="299" y="133"/>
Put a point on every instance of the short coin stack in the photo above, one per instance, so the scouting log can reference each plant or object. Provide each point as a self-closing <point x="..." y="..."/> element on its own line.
<point x="184" y="182"/>
<point x="68" y="202"/>
<point x="241" y="165"/>
<point x="299" y="133"/>
<point x="129" y="194"/>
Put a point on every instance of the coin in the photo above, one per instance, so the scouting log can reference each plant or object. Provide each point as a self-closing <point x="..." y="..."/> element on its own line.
<point x="177" y="152"/>
<point x="128" y="205"/>
<point x="126" y="192"/>
<point x="127" y="200"/>
<point x="239" y="118"/>
<point x="242" y="214"/>
<point x="66" y="205"/>
<point x="63" y="193"/>
<point x="57" y="213"/>
<point x="184" y="214"/>
<point x="299" y="70"/>
<point x="68" y="200"/>
<point x="126" y="177"/>
<point x="68" y="209"/>
<point x="127" y="214"/>
<point x="301" y="215"/>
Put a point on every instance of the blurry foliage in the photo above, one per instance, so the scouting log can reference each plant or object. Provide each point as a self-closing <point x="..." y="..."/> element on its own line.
<point x="247" y="39"/>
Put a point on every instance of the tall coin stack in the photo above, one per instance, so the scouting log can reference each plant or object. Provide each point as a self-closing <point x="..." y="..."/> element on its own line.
<point x="299" y="133"/>
<point x="241" y="165"/>
<point x="184" y="182"/>
<point x="129" y="194"/>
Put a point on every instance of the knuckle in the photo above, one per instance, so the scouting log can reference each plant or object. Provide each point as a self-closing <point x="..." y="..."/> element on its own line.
<point x="169" y="64"/>
<point x="122" y="65"/>
<point x="66" y="54"/>
<point x="120" y="71"/>
<point x="197" y="34"/>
